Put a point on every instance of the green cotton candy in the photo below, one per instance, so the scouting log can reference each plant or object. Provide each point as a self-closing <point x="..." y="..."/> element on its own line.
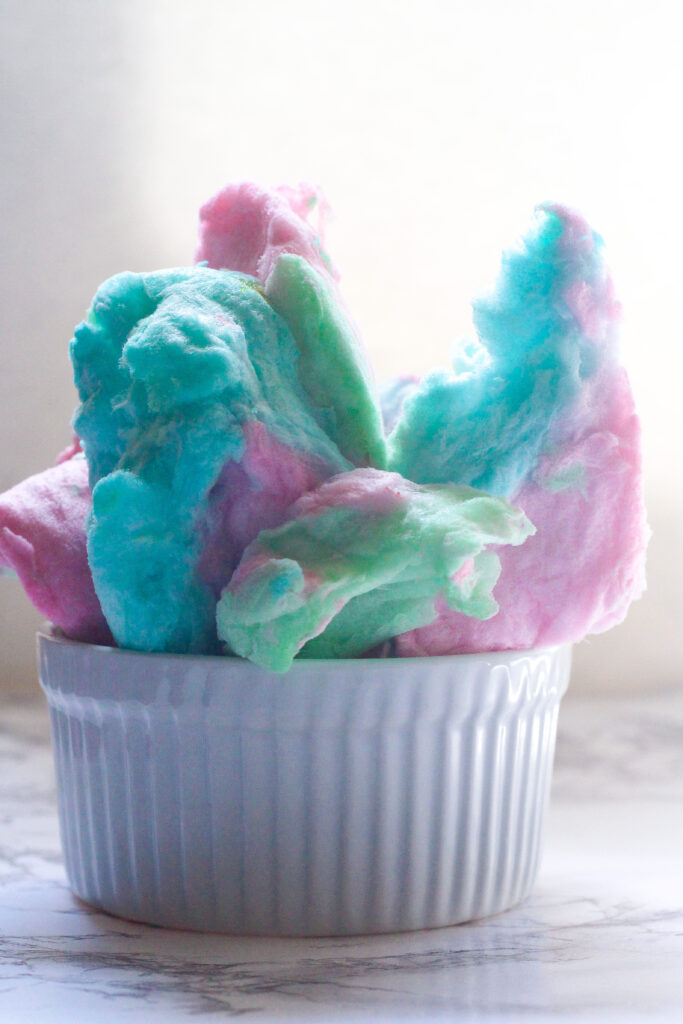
<point x="387" y="611"/>
<point x="332" y="366"/>
<point x="364" y="557"/>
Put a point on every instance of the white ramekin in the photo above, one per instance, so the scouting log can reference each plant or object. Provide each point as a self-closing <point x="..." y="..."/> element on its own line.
<point x="344" y="797"/>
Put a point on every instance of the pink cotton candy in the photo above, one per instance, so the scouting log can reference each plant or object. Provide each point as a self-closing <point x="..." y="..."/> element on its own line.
<point x="43" y="540"/>
<point x="250" y="496"/>
<point x="246" y="227"/>
<point x="373" y="491"/>
<point x="593" y="303"/>
<point x="585" y="564"/>
<point x="75" y="448"/>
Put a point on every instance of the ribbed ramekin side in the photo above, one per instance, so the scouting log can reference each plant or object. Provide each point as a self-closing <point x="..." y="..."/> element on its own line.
<point x="66" y="802"/>
<point x="438" y="818"/>
<point x="527" y="769"/>
<point x="479" y="778"/>
<point x="540" y="783"/>
<point x="385" y="805"/>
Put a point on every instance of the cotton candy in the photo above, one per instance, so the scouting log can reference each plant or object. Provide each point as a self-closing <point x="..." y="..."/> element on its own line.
<point x="358" y="560"/>
<point x="539" y="410"/>
<point x="244" y="490"/>
<point x="392" y="396"/>
<point x="265" y="232"/>
<point x="247" y="227"/>
<point x="43" y="540"/>
<point x="487" y="421"/>
<point x="332" y="364"/>
<point x="180" y="373"/>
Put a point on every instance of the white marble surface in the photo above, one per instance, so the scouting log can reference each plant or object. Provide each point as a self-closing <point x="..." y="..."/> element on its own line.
<point x="601" y="938"/>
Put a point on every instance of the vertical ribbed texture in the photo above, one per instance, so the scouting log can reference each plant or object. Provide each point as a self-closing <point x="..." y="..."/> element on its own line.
<point x="344" y="798"/>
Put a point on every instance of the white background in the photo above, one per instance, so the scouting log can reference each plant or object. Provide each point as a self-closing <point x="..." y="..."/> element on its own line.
<point x="434" y="128"/>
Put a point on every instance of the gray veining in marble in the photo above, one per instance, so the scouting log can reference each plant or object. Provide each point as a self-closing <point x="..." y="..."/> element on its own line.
<point x="600" y="939"/>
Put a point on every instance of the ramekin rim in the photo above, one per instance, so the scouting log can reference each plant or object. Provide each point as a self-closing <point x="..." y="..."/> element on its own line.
<point x="47" y="635"/>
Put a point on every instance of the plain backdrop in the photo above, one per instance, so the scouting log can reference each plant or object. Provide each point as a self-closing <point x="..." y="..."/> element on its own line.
<point x="433" y="127"/>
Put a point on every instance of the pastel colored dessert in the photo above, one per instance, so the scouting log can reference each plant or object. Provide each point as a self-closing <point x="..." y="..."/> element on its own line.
<point x="248" y="491"/>
<point x="265" y="233"/>
<point x="247" y="227"/>
<point x="43" y="541"/>
<point x="360" y="559"/>
<point x="199" y="431"/>
<point x="539" y="410"/>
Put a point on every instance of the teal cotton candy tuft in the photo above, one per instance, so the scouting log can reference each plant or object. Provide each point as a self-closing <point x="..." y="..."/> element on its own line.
<point x="171" y="368"/>
<point x="486" y="422"/>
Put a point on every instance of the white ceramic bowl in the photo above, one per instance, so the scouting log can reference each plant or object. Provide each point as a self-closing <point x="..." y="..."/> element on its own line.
<point x="345" y="797"/>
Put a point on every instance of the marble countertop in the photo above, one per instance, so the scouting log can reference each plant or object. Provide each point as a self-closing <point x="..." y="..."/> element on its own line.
<point x="601" y="937"/>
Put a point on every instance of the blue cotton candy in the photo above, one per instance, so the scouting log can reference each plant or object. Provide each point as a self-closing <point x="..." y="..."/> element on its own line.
<point x="172" y="368"/>
<point x="485" y="422"/>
